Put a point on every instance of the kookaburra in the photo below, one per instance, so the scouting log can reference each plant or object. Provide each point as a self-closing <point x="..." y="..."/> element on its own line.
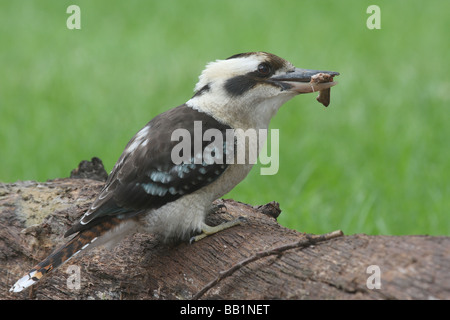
<point x="148" y="192"/>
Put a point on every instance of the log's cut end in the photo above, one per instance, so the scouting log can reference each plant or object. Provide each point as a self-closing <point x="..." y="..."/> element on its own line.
<point x="267" y="260"/>
<point x="90" y="170"/>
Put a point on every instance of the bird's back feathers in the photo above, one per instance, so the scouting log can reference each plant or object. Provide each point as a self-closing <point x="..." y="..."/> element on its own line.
<point x="145" y="176"/>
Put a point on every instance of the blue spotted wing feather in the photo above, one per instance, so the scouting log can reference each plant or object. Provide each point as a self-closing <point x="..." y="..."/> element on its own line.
<point x="145" y="177"/>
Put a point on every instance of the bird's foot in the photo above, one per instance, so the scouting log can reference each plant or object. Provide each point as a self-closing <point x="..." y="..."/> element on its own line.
<point x="219" y="207"/>
<point x="208" y="230"/>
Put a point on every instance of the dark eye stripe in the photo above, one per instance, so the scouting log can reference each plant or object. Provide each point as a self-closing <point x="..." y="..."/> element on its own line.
<point x="238" y="85"/>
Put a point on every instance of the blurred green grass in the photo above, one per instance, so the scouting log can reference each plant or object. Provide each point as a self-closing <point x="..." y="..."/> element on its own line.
<point x="376" y="161"/>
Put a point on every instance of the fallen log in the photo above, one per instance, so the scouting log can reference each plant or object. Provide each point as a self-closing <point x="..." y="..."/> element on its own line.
<point x="257" y="260"/>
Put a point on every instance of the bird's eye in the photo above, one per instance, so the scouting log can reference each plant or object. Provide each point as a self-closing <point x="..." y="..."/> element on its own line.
<point x="264" y="69"/>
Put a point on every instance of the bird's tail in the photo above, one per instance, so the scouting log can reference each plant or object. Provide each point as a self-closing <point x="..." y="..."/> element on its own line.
<point x="80" y="242"/>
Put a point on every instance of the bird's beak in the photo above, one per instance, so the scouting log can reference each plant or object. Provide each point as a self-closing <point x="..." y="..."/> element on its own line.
<point x="305" y="80"/>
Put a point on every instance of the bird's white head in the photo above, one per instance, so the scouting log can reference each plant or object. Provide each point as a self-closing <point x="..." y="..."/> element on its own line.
<point x="246" y="90"/>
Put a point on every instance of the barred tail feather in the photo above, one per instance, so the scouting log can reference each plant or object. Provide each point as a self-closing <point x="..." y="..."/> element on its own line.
<point x="80" y="242"/>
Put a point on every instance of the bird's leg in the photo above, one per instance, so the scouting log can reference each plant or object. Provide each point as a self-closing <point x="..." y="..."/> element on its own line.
<point x="208" y="230"/>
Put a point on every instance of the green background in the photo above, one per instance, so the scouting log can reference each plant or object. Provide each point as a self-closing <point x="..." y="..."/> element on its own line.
<point x="376" y="161"/>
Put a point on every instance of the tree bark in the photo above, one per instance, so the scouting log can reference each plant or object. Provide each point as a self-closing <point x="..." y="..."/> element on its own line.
<point x="267" y="261"/>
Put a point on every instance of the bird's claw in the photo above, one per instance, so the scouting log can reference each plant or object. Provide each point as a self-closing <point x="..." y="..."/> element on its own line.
<point x="208" y="230"/>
